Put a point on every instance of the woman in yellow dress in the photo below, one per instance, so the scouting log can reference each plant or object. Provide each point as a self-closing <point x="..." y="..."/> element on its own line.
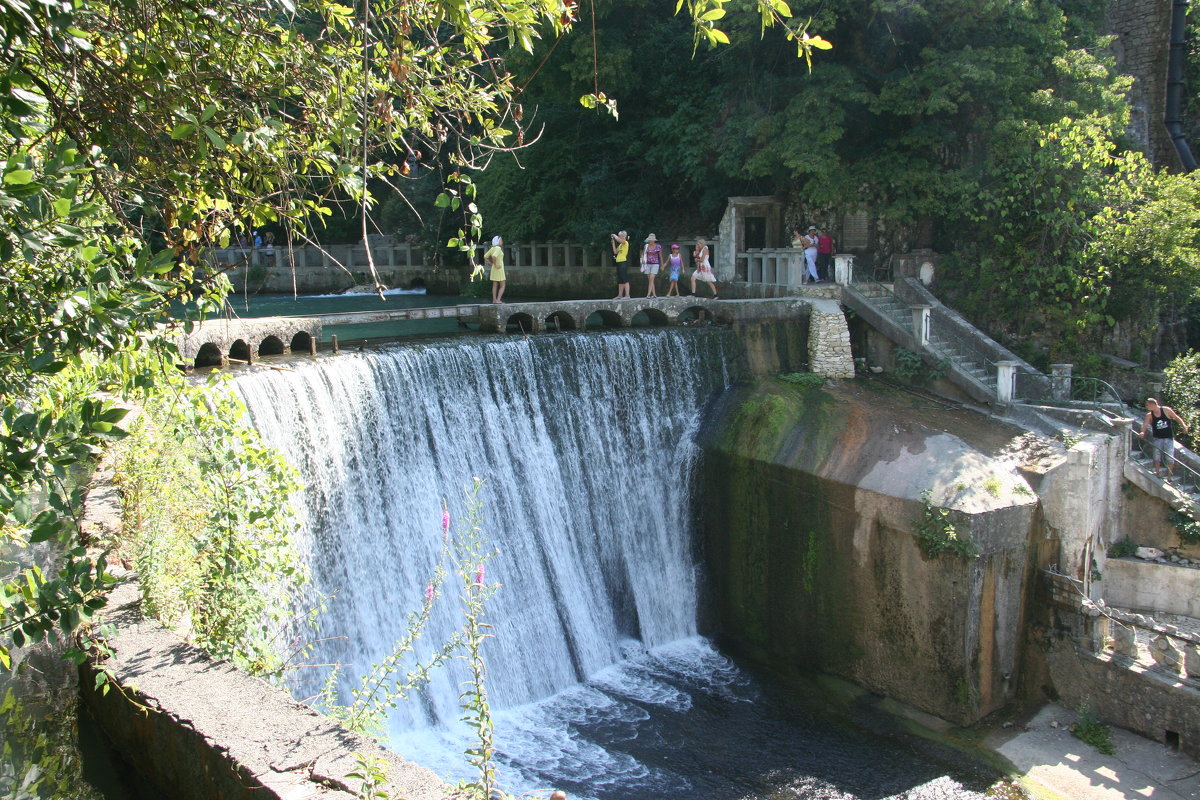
<point x="495" y="259"/>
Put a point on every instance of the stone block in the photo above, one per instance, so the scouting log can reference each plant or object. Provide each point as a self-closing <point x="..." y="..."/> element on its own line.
<point x="1124" y="640"/>
<point x="1191" y="660"/>
<point x="1166" y="654"/>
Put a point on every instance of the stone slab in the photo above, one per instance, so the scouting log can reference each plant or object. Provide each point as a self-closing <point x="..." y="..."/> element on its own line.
<point x="1056" y="764"/>
<point x="200" y="728"/>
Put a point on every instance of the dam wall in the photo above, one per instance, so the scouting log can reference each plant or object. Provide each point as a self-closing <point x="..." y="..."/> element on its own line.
<point x="809" y="503"/>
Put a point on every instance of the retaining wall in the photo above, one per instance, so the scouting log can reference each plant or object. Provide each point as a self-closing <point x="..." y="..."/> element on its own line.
<point x="1147" y="586"/>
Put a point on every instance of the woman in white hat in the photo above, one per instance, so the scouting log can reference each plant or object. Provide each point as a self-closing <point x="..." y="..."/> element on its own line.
<point x="495" y="259"/>
<point x="809" y="241"/>
<point x="651" y="261"/>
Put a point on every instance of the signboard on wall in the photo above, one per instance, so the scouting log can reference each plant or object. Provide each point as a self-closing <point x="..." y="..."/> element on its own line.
<point x="855" y="231"/>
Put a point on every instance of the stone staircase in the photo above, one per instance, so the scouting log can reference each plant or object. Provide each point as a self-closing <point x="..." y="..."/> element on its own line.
<point x="967" y="359"/>
<point x="958" y="353"/>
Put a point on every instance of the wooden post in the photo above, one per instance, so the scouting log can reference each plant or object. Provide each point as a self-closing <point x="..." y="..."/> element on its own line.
<point x="312" y="345"/>
<point x="335" y="344"/>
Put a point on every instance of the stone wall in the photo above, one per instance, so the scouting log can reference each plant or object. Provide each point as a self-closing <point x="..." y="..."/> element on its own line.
<point x="1142" y="47"/>
<point x="829" y="341"/>
<point x="1158" y="706"/>
<point x="1147" y="586"/>
<point x="808" y="504"/>
<point x="1143" y="519"/>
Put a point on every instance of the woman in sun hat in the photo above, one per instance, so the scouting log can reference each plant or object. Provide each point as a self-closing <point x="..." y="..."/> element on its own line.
<point x="651" y="261"/>
<point x="809" y="240"/>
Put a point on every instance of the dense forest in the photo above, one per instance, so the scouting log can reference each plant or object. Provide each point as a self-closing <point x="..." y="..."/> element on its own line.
<point x="993" y="132"/>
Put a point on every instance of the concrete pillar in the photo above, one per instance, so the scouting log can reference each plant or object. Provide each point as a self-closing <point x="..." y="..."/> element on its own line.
<point x="920" y="316"/>
<point x="1060" y="381"/>
<point x="1006" y="380"/>
<point x="843" y="269"/>
<point x="1124" y="429"/>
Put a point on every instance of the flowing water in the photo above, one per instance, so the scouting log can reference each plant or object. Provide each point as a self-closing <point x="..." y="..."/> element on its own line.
<point x="597" y="677"/>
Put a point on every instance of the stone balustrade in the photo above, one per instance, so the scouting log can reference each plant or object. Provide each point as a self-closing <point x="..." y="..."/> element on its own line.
<point x="557" y="267"/>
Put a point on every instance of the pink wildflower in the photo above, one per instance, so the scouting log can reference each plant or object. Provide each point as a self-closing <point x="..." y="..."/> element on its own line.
<point x="429" y="593"/>
<point x="479" y="574"/>
<point x="445" y="520"/>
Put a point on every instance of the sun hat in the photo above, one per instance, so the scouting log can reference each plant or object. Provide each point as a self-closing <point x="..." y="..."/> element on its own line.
<point x="495" y="240"/>
<point x="812" y="227"/>
<point x="674" y="247"/>
<point x="652" y="238"/>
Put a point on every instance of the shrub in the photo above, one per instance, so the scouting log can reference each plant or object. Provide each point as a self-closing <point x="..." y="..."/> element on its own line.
<point x="1181" y="389"/>
<point x="937" y="534"/>
<point x="1121" y="549"/>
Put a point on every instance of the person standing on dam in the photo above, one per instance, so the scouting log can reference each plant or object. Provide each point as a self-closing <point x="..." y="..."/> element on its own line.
<point x="620" y="246"/>
<point x="495" y="259"/>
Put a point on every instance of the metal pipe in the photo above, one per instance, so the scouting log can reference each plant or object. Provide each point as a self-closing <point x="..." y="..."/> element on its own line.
<point x="1173" y="114"/>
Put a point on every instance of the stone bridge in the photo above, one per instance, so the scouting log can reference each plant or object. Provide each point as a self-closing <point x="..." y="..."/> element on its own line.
<point x="577" y="315"/>
<point x="215" y="342"/>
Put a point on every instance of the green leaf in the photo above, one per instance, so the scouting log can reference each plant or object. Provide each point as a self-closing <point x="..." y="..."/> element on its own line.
<point x="183" y="130"/>
<point x="18" y="177"/>
<point x="214" y="137"/>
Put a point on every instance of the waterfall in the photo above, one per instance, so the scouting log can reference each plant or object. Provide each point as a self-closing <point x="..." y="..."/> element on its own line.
<point x="584" y="444"/>
<point x="598" y="682"/>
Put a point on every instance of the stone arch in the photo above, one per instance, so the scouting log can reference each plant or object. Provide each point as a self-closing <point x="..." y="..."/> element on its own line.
<point x="692" y="314"/>
<point x="520" y="322"/>
<point x="209" y="355"/>
<point x="561" y="321"/>
<point x="271" y="346"/>
<point x="302" y="342"/>
<point x="604" y="318"/>
<point x="650" y="318"/>
<point x="241" y="351"/>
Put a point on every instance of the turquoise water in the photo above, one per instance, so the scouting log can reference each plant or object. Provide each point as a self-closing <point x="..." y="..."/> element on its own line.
<point x="286" y="305"/>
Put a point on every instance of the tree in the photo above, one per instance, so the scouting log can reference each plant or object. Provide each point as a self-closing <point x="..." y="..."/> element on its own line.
<point x="136" y="134"/>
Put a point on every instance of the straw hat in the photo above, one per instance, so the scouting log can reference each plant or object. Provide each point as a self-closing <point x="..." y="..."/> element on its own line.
<point x="652" y="238"/>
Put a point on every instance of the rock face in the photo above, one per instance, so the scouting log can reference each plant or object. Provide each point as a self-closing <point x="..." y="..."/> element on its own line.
<point x="810" y="502"/>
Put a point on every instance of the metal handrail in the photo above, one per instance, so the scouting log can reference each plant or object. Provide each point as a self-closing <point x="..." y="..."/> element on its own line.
<point x="1051" y="390"/>
<point x="943" y="340"/>
<point x="859" y="276"/>
<point x="1186" y="477"/>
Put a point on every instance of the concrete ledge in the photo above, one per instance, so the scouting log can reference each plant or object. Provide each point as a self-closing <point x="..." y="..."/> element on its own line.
<point x="1147" y="586"/>
<point x="200" y="728"/>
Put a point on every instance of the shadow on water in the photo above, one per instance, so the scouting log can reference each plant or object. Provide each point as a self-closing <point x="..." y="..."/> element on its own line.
<point x="686" y="721"/>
